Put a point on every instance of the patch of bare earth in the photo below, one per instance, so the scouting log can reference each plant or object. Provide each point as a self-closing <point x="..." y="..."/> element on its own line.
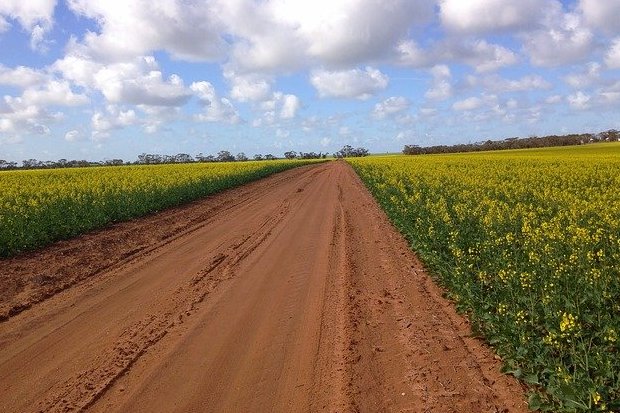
<point x="293" y="293"/>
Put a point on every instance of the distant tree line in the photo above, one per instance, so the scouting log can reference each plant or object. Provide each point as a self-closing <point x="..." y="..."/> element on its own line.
<point x="517" y="143"/>
<point x="156" y="159"/>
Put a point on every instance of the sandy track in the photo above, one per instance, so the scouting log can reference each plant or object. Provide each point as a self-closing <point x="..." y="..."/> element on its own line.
<point x="290" y="294"/>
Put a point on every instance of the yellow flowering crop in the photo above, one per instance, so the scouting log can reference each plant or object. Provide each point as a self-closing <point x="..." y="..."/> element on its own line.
<point x="41" y="206"/>
<point x="530" y="243"/>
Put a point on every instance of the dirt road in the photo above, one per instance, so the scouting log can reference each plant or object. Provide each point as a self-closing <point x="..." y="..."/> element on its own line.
<point x="291" y="294"/>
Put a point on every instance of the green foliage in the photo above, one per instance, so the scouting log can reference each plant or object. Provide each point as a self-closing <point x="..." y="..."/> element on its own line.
<point x="528" y="243"/>
<point x="41" y="206"/>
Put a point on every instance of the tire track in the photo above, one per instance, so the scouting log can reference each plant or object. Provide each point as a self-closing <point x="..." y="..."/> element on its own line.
<point x="83" y="390"/>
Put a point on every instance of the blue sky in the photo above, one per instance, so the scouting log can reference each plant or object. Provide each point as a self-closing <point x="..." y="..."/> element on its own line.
<point x="81" y="79"/>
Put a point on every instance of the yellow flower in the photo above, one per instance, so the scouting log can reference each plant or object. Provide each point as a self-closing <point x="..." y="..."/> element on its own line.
<point x="568" y="323"/>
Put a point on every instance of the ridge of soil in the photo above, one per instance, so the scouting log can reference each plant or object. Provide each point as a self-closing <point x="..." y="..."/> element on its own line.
<point x="292" y="293"/>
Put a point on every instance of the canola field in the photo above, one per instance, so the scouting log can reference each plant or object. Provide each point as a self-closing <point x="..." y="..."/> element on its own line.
<point x="38" y="207"/>
<point x="528" y="244"/>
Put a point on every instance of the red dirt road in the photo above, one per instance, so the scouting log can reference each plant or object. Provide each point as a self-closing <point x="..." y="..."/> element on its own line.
<point x="290" y="294"/>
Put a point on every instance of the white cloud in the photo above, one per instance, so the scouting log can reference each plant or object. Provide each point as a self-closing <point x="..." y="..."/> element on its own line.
<point x="249" y="87"/>
<point x="277" y="34"/>
<point x="565" y="40"/>
<point x="187" y="30"/>
<point x="553" y="99"/>
<point x="479" y="54"/>
<point x="346" y="32"/>
<point x="74" y="136"/>
<point x="215" y="109"/>
<point x="409" y="53"/>
<point x="498" y="84"/>
<point x="53" y="92"/>
<point x="354" y="83"/>
<point x="21" y="76"/>
<point x="579" y="101"/>
<point x="601" y="14"/>
<point x="586" y="77"/>
<point x="612" y="58"/>
<point x="610" y="95"/>
<point x="470" y="103"/>
<point x="290" y="105"/>
<point x="391" y="106"/>
<point x="441" y="87"/>
<point x="35" y="16"/>
<point x="19" y="115"/>
<point x="113" y="118"/>
<point x="138" y="82"/>
<point x="279" y="106"/>
<point x="484" y="16"/>
<point x="29" y="113"/>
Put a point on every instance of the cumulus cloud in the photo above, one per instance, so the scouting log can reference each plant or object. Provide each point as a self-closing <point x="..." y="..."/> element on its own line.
<point x="29" y="113"/>
<point x="74" y="135"/>
<point x="589" y="75"/>
<point x="479" y="54"/>
<point x="34" y="16"/>
<point x="112" y="118"/>
<point x="486" y="16"/>
<point x="333" y="33"/>
<point x="54" y="92"/>
<point x="470" y="103"/>
<point x="391" y="106"/>
<point x="19" y="115"/>
<point x="610" y="94"/>
<point x="186" y="29"/>
<point x="565" y="40"/>
<point x="601" y="14"/>
<point x="354" y="83"/>
<point x="279" y="106"/>
<point x="290" y="105"/>
<point x="553" y="99"/>
<point x="409" y="53"/>
<point x="579" y="100"/>
<point x="498" y="84"/>
<point x="21" y="76"/>
<point x="249" y="87"/>
<point x="441" y="86"/>
<point x="215" y="109"/>
<point x="612" y="58"/>
<point x="138" y="82"/>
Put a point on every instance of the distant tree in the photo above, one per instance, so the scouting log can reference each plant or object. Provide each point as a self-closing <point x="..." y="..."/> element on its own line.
<point x="205" y="158"/>
<point x="349" y="151"/>
<point x="32" y="163"/>
<point x="183" y="158"/>
<point x="241" y="157"/>
<point x="225" y="156"/>
<point x="7" y="165"/>
<point x="311" y="155"/>
<point x="290" y="155"/>
<point x="258" y="157"/>
<point x="270" y="157"/>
